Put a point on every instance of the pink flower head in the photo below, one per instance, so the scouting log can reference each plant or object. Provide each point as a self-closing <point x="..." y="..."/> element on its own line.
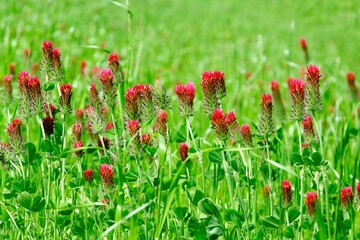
<point x="78" y="144"/>
<point x="311" y="200"/>
<point x="107" y="80"/>
<point x="132" y="104"/>
<point x="79" y="113"/>
<point x="133" y="127"/>
<point x="65" y="98"/>
<point x="48" y="123"/>
<point x="186" y="95"/>
<point x="76" y="131"/>
<point x="47" y="47"/>
<point x="297" y="91"/>
<point x="113" y="61"/>
<point x="313" y="75"/>
<point x="286" y="192"/>
<point x="313" y="99"/>
<point x="34" y="94"/>
<point x="346" y="196"/>
<point x="146" y="138"/>
<point x="47" y="58"/>
<point x="23" y="79"/>
<point x="246" y="135"/>
<point x="89" y="175"/>
<point x="213" y="86"/>
<point x="303" y="43"/>
<point x="106" y="77"/>
<point x="94" y="98"/>
<point x="106" y="174"/>
<point x="266" y="124"/>
<point x="183" y="149"/>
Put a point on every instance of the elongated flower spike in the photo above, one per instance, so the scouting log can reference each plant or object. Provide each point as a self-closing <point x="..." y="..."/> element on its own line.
<point x="309" y="133"/>
<point x="278" y="102"/>
<point x="218" y="121"/>
<point x="56" y="73"/>
<point x="186" y="95"/>
<point x="89" y="175"/>
<point x="35" y="96"/>
<point x="213" y="86"/>
<point x="48" y="124"/>
<point x="65" y="98"/>
<point x="297" y="92"/>
<point x="266" y="124"/>
<point x="79" y="144"/>
<point x="234" y="128"/>
<point x="46" y="61"/>
<point x="76" y="132"/>
<point x="246" y="135"/>
<point x="7" y="80"/>
<point x="114" y="65"/>
<point x="96" y="123"/>
<point x="346" y="196"/>
<point x="313" y="99"/>
<point x="183" y="150"/>
<point x="107" y="174"/>
<point x="286" y="193"/>
<point x="94" y="99"/>
<point x="304" y="47"/>
<point x="146" y="139"/>
<point x="79" y="114"/>
<point x="161" y="123"/>
<point x="311" y="200"/>
<point x="24" y="99"/>
<point x="132" y="110"/>
<point x="355" y="92"/>
<point x="14" y="134"/>
<point x="160" y="96"/>
<point x="108" y="87"/>
<point x="146" y="102"/>
<point x="134" y="128"/>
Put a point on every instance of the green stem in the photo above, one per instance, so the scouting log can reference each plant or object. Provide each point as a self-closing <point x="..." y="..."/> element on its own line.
<point x="301" y="200"/>
<point x="269" y="180"/>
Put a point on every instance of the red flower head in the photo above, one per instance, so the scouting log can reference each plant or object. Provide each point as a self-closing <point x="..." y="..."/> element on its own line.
<point x="275" y="87"/>
<point x="233" y="126"/>
<point x="186" y="95"/>
<point x="46" y="61"/>
<point x="34" y="94"/>
<point x="79" y="113"/>
<point x="109" y="126"/>
<point x="146" y="138"/>
<point x="246" y="135"/>
<point x="303" y="43"/>
<point x="358" y="189"/>
<point x="106" y="77"/>
<point x="65" y="98"/>
<point x="47" y="47"/>
<point x="104" y="141"/>
<point x="297" y="91"/>
<point x="107" y="80"/>
<point x="106" y="173"/>
<point x="311" y="200"/>
<point x="286" y="192"/>
<point x="313" y="99"/>
<point x="76" y="131"/>
<point x="346" y="196"/>
<point x="183" y="149"/>
<point x="78" y="144"/>
<point x="161" y="123"/>
<point x="48" y="123"/>
<point x="218" y="120"/>
<point x="132" y="103"/>
<point x="52" y="112"/>
<point x="8" y="86"/>
<point x="23" y="78"/>
<point x="89" y="175"/>
<point x="133" y="127"/>
<point x="213" y="86"/>
<point x="56" y="63"/>
<point x="14" y="134"/>
<point x="94" y="98"/>
<point x="12" y="68"/>
<point x="83" y="68"/>
<point x="26" y="53"/>
<point x="266" y="125"/>
<point x="113" y="61"/>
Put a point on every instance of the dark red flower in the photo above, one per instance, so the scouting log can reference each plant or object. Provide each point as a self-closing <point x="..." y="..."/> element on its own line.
<point x="46" y="61"/>
<point x="311" y="200"/>
<point x="246" y="135"/>
<point x="106" y="174"/>
<point x="65" y="98"/>
<point x="346" y="196"/>
<point x="78" y="144"/>
<point x="109" y="126"/>
<point x="48" y="124"/>
<point x="286" y="192"/>
<point x="297" y="91"/>
<point x="89" y="175"/>
<point x="146" y="138"/>
<point x="133" y="127"/>
<point x="183" y="149"/>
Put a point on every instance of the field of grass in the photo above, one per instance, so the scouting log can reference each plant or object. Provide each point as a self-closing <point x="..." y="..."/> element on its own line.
<point x="225" y="188"/>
